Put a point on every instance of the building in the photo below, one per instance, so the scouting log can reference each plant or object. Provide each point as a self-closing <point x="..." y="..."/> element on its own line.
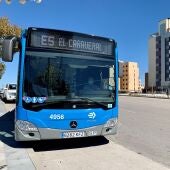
<point x="159" y="57"/>
<point x="146" y="81"/>
<point x="152" y="61"/>
<point x="129" y="79"/>
<point x="141" y="86"/>
<point x="1" y="41"/>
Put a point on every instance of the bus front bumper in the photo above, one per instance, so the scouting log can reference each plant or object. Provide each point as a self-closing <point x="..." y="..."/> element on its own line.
<point x="47" y="133"/>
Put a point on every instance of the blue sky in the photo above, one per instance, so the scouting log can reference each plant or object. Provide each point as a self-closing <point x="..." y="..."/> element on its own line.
<point x="129" y="22"/>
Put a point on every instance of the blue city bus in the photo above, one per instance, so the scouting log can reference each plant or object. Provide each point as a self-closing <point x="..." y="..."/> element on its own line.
<point x="67" y="84"/>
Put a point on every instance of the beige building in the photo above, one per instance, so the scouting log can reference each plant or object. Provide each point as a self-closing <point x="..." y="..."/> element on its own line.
<point x="129" y="80"/>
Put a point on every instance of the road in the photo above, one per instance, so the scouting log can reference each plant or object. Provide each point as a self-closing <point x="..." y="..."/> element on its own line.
<point x="145" y="127"/>
<point x="143" y="142"/>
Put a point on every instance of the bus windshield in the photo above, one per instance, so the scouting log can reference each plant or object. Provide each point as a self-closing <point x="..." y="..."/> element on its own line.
<point x="65" y="78"/>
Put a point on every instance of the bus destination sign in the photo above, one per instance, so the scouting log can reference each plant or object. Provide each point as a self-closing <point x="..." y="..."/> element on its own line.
<point x="70" y="41"/>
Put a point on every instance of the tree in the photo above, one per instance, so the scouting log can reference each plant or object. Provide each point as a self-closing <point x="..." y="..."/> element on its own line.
<point x="2" y="69"/>
<point x="6" y="29"/>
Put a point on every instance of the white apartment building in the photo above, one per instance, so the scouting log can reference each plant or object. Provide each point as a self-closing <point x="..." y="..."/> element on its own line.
<point x="159" y="56"/>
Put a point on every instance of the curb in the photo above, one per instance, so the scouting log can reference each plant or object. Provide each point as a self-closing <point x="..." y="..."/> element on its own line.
<point x="147" y="96"/>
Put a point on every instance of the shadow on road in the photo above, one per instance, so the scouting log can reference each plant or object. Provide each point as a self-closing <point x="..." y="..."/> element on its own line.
<point x="61" y="144"/>
<point x="7" y="137"/>
<point x="7" y="128"/>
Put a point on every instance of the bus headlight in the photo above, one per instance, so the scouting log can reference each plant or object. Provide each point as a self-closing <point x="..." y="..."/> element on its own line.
<point x="111" y="123"/>
<point x="26" y="126"/>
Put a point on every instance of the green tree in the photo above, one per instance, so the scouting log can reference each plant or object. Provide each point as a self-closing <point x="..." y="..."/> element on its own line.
<point x="6" y="29"/>
<point x="2" y="69"/>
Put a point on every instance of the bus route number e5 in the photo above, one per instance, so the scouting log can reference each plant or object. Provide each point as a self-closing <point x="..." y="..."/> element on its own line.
<point x="47" y="40"/>
<point x="57" y="116"/>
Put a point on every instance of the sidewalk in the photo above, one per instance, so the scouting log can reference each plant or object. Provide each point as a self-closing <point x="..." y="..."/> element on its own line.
<point x="111" y="156"/>
<point x="161" y="96"/>
<point x="12" y="155"/>
<point x="2" y="108"/>
<point x="3" y="164"/>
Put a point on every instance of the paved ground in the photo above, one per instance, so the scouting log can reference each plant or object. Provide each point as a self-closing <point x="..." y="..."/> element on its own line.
<point x="12" y="154"/>
<point x="142" y="142"/>
<point x="145" y="127"/>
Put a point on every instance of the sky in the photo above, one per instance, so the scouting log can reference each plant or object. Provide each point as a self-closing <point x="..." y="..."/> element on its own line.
<point x="129" y="22"/>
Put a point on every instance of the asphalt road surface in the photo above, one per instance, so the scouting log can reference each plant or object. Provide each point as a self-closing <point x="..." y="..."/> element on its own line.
<point x="144" y="127"/>
<point x="142" y="142"/>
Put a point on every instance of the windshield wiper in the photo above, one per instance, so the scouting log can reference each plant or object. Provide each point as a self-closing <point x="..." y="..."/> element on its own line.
<point x="96" y="102"/>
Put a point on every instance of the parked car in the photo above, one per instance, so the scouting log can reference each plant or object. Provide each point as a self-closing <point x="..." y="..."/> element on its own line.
<point x="1" y="93"/>
<point x="9" y="92"/>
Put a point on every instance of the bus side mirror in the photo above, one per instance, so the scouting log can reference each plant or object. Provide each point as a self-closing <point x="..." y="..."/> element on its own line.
<point x="9" y="48"/>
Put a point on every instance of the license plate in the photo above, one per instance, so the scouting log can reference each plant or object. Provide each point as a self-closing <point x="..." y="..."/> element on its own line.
<point x="73" y="134"/>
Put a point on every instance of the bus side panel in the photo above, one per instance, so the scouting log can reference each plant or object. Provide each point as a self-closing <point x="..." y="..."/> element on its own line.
<point x="21" y="113"/>
<point x="21" y="71"/>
